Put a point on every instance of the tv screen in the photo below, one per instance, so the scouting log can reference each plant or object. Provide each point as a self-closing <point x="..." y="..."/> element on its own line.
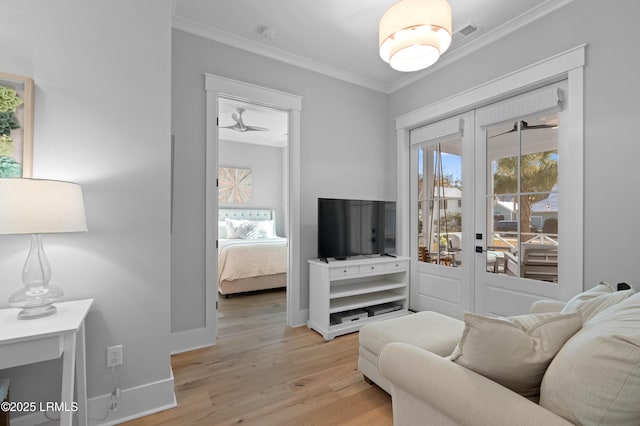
<point x="348" y="228"/>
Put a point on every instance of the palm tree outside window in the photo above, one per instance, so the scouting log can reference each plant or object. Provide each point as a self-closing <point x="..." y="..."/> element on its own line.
<point x="523" y="192"/>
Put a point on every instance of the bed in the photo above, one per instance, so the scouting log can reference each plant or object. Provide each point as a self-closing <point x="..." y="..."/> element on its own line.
<point x="250" y="254"/>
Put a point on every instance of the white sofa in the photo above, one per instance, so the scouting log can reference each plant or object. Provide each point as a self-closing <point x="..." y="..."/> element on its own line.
<point x="593" y="379"/>
<point x="430" y="331"/>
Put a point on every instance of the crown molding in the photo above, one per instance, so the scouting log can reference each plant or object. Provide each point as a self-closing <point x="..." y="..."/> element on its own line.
<point x="233" y="40"/>
<point x="452" y="56"/>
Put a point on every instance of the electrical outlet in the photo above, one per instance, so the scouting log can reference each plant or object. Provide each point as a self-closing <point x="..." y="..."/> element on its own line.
<point x="114" y="356"/>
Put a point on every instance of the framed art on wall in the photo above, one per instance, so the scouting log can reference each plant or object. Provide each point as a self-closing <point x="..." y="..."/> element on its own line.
<point x="234" y="185"/>
<point x="16" y="125"/>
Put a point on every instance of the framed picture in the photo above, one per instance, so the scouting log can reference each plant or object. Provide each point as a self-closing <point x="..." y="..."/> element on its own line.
<point x="234" y="185"/>
<point x="16" y="125"/>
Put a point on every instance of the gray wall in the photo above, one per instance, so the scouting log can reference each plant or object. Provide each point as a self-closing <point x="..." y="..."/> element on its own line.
<point x="345" y="152"/>
<point x="611" y="109"/>
<point x="105" y="125"/>
<point x="102" y="114"/>
<point x="265" y="163"/>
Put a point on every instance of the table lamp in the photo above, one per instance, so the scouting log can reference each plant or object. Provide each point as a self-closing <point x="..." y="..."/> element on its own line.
<point x="39" y="206"/>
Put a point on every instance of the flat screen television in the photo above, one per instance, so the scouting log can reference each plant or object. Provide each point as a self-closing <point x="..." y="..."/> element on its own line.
<point x="349" y="228"/>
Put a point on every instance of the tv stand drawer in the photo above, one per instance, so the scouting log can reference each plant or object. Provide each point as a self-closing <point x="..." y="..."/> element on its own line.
<point x="372" y="269"/>
<point x="344" y="271"/>
<point x="400" y="265"/>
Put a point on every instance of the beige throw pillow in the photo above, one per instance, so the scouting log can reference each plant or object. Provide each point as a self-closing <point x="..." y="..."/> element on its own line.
<point x="595" y="300"/>
<point x="601" y="288"/>
<point x="595" y="378"/>
<point x="515" y="351"/>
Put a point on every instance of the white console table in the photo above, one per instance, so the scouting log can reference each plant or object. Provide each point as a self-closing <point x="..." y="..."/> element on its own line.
<point x="339" y="286"/>
<point x="59" y="335"/>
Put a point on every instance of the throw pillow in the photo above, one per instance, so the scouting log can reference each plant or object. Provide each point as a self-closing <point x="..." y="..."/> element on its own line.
<point x="595" y="378"/>
<point x="258" y="232"/>
<point x="595" y="300"/>
<point x="261" y="229"/>
<point x="601" y="288"/>
<point x="268" y="227"/>
<point x="515" y="351"/>
<point x="222" y="230"/>
<point x="238" y="228"/>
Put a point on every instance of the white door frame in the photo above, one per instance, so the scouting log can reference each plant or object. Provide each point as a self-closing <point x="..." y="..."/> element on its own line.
<point x="216" y="87"/>
<point x="566" y="65"/>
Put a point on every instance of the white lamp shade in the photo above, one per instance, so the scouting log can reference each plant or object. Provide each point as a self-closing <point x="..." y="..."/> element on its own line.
<point x="39" y="206"/>
<point x="414" y="33"/>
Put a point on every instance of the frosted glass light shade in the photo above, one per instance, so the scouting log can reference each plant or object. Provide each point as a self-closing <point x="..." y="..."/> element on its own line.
<point x="414" y="33"/>
<point x="39" y="206"/>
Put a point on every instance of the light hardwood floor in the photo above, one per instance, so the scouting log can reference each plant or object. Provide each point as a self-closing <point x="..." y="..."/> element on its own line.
<point x="262" y="372"/>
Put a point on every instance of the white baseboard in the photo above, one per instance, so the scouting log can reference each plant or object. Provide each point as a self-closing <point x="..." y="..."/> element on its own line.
<point x="189" y="340"/>
<point x="134" y="402"/>
<point x="300" y="318"/>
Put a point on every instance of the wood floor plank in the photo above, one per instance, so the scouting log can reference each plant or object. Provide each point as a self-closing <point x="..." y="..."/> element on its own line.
<point x="262" y="372"/>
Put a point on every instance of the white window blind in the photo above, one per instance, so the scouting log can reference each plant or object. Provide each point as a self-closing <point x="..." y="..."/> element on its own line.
<point x="548" y="98"/>
<point x="445" y="129"/>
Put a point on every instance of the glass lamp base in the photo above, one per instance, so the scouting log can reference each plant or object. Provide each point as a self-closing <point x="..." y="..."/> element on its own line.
<point x="39" y="312"/>
<point x="35" y="302"/>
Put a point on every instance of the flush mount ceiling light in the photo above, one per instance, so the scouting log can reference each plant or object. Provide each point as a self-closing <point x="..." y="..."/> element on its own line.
<point x="414" y="33"/>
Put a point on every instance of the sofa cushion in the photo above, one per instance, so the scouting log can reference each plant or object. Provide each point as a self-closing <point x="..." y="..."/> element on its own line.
<point x="595" y="378"/>
<point x="602" y="287"/>
<point x="515" y="351"/>
<point x="432" y="331"/>
<point x="596" y="299"/>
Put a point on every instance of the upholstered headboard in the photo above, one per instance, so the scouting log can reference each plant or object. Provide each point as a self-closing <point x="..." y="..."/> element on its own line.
<point x="246" y="214"/>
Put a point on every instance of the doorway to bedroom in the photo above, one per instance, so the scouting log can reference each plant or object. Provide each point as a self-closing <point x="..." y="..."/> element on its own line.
<point x="252" y="250"/>
<point x="237" y="121"/>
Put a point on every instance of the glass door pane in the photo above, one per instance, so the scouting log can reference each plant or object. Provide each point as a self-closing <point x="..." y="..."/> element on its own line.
<point x="522" y="198"/>
<point x="440" y="203"/>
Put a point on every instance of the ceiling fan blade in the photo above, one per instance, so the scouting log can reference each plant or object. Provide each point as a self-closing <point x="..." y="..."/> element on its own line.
<point x="514" y="129"/>
<point x="234" y="127"/>
<point x="539" y="126"/>
<point x="524" y="126"/>
<point x="255" y="129"/>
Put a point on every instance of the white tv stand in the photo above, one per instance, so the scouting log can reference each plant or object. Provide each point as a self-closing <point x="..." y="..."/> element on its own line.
<point x="359" y="284"/>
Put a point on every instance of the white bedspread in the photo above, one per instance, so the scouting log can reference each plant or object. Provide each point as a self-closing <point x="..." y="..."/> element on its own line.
<point x="238" y="258"/>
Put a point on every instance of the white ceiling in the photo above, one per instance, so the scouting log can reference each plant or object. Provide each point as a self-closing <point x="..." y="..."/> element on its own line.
<point x="340" y="37"/>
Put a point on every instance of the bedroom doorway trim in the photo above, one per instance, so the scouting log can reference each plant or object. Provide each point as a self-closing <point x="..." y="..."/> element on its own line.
<point x="221" y="87"/>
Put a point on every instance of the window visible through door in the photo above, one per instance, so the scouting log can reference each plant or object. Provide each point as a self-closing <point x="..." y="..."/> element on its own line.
<point x="522" y="198"/>
<point x="440" y="202"/>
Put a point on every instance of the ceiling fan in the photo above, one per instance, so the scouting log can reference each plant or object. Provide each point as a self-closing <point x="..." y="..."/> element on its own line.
<point x="239" y="126"/>
<point x="524" y="126"/>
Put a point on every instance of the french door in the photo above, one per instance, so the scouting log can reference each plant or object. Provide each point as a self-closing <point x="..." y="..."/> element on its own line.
<point x="441" y="191"/>
<point x="523" y="188"/>
<point x="492" y="195"/>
